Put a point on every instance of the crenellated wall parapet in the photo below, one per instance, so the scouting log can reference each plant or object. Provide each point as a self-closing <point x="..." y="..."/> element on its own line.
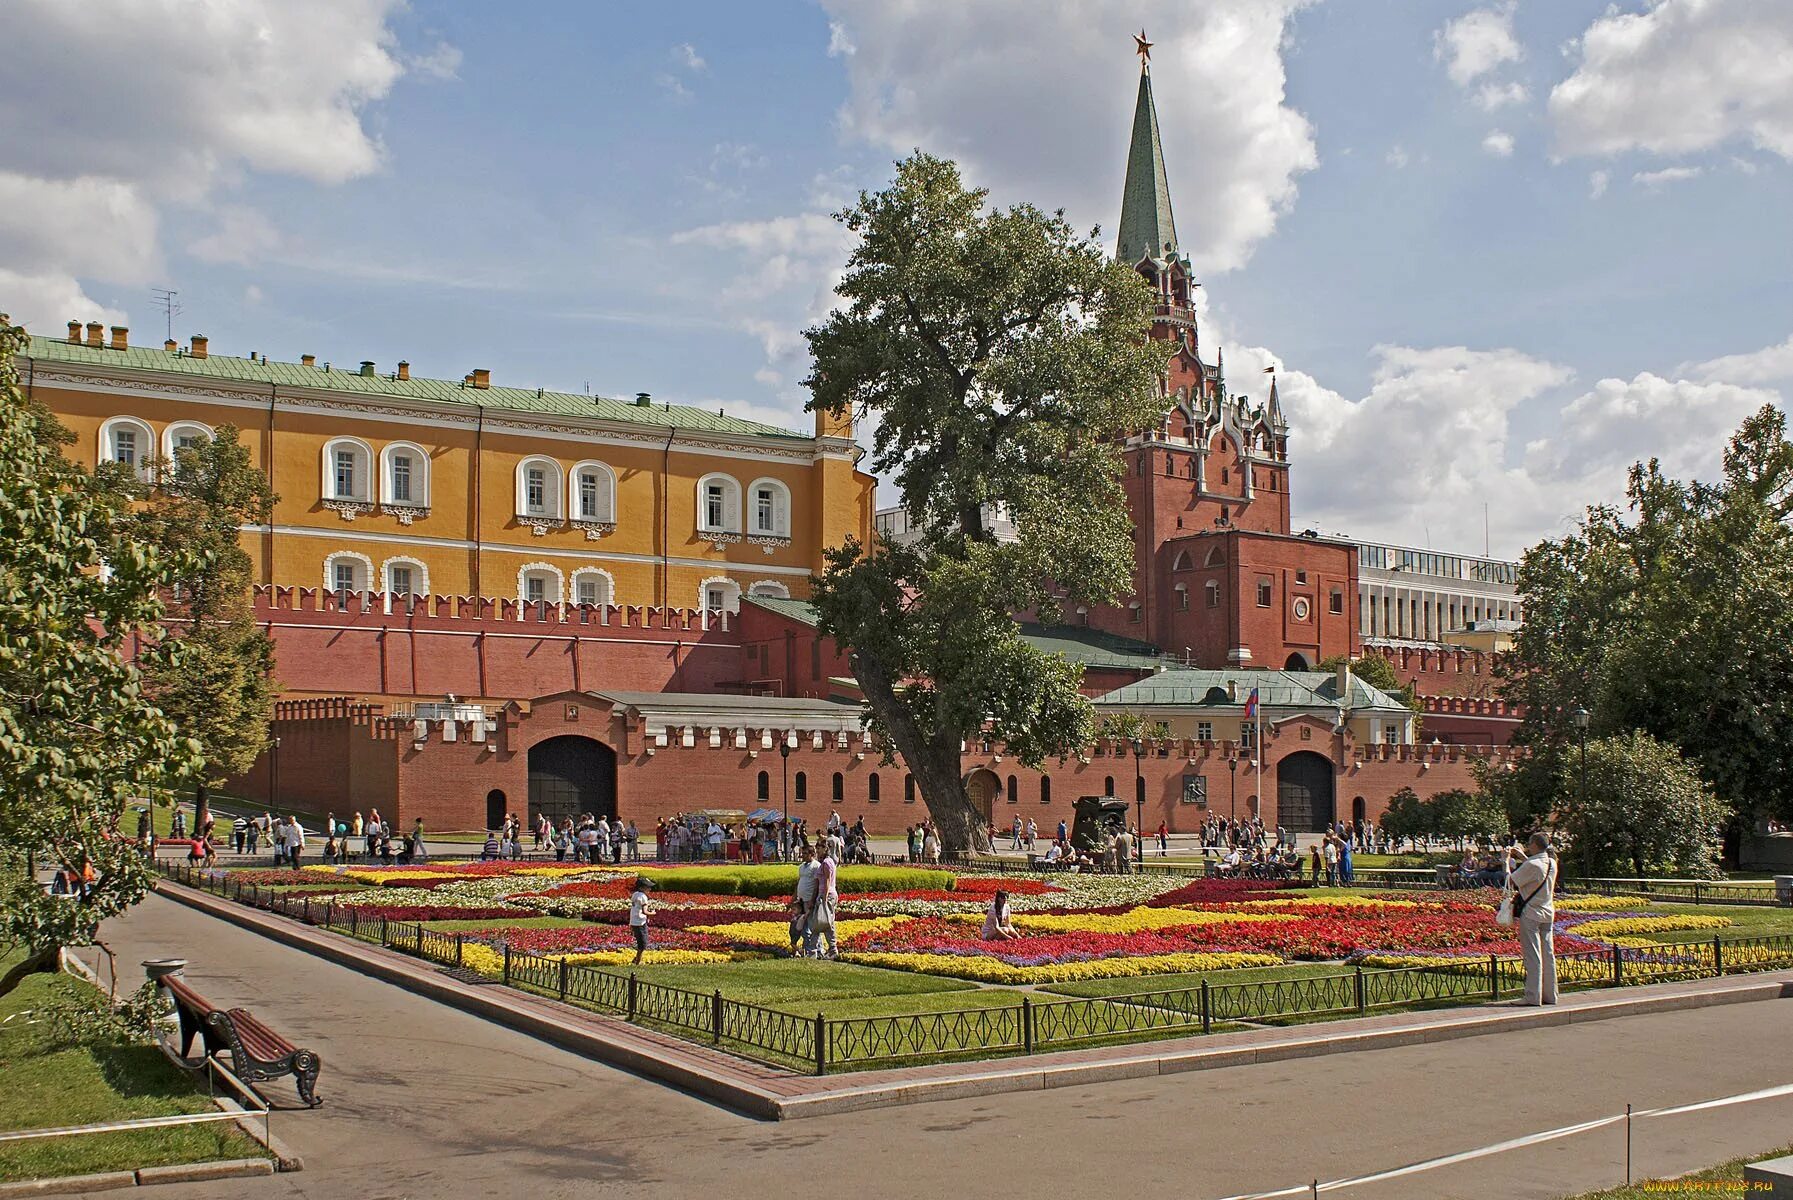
<point x="275" y="603"/>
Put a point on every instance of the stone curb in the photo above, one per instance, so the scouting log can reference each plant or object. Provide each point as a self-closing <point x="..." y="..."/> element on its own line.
<point x="258" y="1132"/>
<point x="837" y="1094"/>
<point x="234" y="1168"/>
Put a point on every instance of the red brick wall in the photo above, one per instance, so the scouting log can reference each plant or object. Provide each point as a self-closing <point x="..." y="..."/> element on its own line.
<point x="785" y="657"/>
<point x="1467" y="673"/>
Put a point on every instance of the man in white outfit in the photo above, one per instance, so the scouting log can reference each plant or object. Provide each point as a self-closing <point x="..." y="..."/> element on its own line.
<point x="1534" y="907"/>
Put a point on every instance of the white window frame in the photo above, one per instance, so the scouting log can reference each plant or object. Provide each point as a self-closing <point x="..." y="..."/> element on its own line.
<point x="781" y="508"/>
<point x="731" y="504"/>
<point x="769" y="588"/>
<point x="553" y="489"/>
<point x="606" y="582"/>
<point x="420" y="574"/>
<point x="146" y="441"/>
<point x="366" y="570"/>
<point x="420" y="474"/>
<point x="172" y="435"/>
<point x="552" y="595"/>
<point x="364" y="469"/>
<point x="732" y="601"/>
<point x="606" y="514"/>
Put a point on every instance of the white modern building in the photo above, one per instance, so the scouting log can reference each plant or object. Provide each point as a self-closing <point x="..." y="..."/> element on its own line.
<point x="1409" y="596"/>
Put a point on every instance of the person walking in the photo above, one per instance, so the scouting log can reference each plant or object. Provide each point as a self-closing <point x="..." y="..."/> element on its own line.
<point x="1533" y="886"/>
<point x="802" y="900"/>
<point x="638" y="916"/>
<point x="239" y="833"/>
<point x="1331" y="853"/>
<point x="418" y="853"/>
<point x="1163" y="839"/>
<point x="295" y="841"/>
<point x="1016" y="840"/>
<point x="821" y="918"/>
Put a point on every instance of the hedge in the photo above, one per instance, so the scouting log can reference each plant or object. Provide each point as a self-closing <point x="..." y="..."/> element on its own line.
<point x="781" y="880"/>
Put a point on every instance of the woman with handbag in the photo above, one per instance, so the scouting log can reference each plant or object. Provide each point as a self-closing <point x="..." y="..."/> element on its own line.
<point x="1530" y="905"/>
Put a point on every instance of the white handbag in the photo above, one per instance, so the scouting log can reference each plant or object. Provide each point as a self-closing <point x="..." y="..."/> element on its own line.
<point x="1504" y="914"/>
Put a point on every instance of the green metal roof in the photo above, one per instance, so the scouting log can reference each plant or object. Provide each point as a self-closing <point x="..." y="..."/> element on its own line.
<point x="1092" y="647"/>
<point x="1147" y="228"/>
<point x="427" y="391"/>
<point x="801" y="611"/>
<point x="1193" y="687"/>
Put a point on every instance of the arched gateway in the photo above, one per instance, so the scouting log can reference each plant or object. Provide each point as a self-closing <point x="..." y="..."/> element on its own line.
<point x="1304" y="793"/>
<point x="982" y="785"/>
<point x="571" y="775"/>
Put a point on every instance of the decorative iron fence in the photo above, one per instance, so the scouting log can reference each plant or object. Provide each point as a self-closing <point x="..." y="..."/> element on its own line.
<point x="1035" y="1024"/>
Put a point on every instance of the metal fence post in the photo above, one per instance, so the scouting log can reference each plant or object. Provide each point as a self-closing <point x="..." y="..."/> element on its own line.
<point x="1357" y="985"/>
<point x="384" y="924"/>
<point x="716" y="1014"/>
<point x="1696" y="892"/>
<point x="507" y="964"/>
<point x="563" y="972"/>
<point x="1493" y="978"/>
<point x="354" y="921"/>
<point x="1618" y="968"/>
<point x="1718" y="957"/>
<point x="460" y="940"/>
<point x="329" y="914"/>
<point x="1026" y="1025"/>
<point x="1207" y="1007"/>
<point x="632" y="995"/>
<point x="821" y="1044"/>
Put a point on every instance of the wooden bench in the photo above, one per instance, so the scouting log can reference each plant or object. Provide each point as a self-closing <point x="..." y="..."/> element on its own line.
<point x="257" y="1053"/>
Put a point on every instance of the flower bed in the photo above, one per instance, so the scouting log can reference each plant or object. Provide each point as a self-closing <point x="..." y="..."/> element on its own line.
<point x="993" y="970"/>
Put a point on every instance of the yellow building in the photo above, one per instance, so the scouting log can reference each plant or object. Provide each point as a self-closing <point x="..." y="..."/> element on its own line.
<point x="393" y="483"/>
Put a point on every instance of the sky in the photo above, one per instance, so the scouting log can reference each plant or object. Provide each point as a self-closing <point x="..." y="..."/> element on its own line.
<point x="1498" y="251"/>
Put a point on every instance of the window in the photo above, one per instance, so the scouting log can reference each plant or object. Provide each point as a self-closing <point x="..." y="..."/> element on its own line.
<point x="1182" y="561"/>
<point x="839" y="789"/>
<point x="538" y="489"/>
<point x="718" y="504"/>
<point x="535" y="589"/>
<point x="346" y="571"/>
<point x="593" y="586"/>
<point x="1182" y="598"/>
<point x="1014" y="791"/>
<point x="1213" y="593"/>
<point x="765" y="787"/>
<point x="347" y="470"/>
<point x="1045" y="789"/>
<point x="540" y="583"/>
<point x="1224" y="473"/>
<point x="593" y="493"/>
<point x="1301" y="577"/>
<point x="183" y="435"/>
<point x="1108" y="785"/>
<point x="801" y="791"/>
<point x="1263" y="591"/>
<point x="770" y="589"/>
<point x="405" y="475"/>
<point x="771" y="508"/>
<point x="1391" y="734"/>
<point x="124" y="446"/>
<point x="127" y="440"/>
<point x="398" y="581"/>
<point x="871" y="788"/>
<point x="717" y="594"/>
<point x="1204" y="731"/>
<point x="345" y="577"/>
<point x="908" y="789"/>
<point x="1133" y="612"/>
<point x="1336" y="602"/>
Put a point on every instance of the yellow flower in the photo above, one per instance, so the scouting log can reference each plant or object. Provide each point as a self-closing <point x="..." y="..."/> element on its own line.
<point x="778" y="933"/>
<point x="1600" y="904"/>
<point x="1625" y="926"/>
<point x="1138" y="920"/>
<point x="990" y="970"/>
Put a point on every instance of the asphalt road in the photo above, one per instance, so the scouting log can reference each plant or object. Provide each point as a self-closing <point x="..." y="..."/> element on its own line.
<point x="422" y="1100"/>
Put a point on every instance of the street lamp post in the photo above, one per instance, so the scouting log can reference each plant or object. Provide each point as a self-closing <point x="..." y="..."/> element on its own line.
<point x="274" y="779"/>
<point x="1139" y="798"/>
<point x="1579" y="718"/>
<point x="1232" y="764"/>
<point x="784" y="755"/>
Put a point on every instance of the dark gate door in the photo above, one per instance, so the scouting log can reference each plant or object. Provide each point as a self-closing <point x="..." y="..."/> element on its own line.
<point x="1304" y="793"/>
<point x="496" y="808"/>
<point x="569" y="776"/>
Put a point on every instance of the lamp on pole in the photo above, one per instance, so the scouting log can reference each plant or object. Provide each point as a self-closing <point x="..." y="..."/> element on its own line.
<point x="1232" y="764"/>
<point x="274" y="779"/>
<point x="1139" y="798"/>
<point x="1579" y="718"/>
<point x="784" y="756"/>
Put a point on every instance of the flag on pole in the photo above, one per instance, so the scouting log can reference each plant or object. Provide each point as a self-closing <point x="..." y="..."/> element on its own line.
<point x="1269" y="370"/>
<point x="1251" y="705"/>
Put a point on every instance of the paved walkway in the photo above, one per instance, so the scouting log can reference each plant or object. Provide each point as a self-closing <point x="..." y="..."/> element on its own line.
<point x="423" y="1100"/>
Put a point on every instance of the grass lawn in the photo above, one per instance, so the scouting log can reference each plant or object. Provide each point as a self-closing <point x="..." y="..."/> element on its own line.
<point x="1192" y="979"/>
<point x="1709" y="1182"/>
<point x="50" y="1085"/>
<point x="808" y="986"/>
<point x="1746" y="920"/>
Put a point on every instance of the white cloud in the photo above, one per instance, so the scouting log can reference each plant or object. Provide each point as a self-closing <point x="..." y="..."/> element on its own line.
<point x="1597" y="183"/>
<point x="1476" y="43"/>
<point x="253" y="295"/>
<point x="1498" y="143"/>
<point x="237" y="235"/>
<point x="1680" y="77"/>
<point x="1619" y="422"/>
<point x="42" y="302"/>
<point x="686" y="55"/>
<point x="441" y="61"/>
<point x="113" y="111"/>
<point x="1397" y="157"/>
<point x="1034" y="98"/>
<point x="1666" y="176"/>
<point x="1492" y="96"/>
<point x="840" y="43"/>
<point x="1759" y="366"/>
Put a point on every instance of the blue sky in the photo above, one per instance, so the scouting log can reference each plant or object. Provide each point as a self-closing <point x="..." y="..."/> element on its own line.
<point x="1498" y="250"/>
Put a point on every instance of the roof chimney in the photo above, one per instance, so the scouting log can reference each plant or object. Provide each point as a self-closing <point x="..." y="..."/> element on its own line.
<point x="74" y="333"/>
<point x="367" y="367"/>
<point x="308" y="360"/>
<point x="643" y="400"/>
<point x="170" y="345"/>
<point x="1344" y="682"/>
<point x="482" y="378"/>
<point x="199" y="344"/>
<point x="95" y="332"/>
<point x="121" y="338"/>
<point x="404" y="369"/>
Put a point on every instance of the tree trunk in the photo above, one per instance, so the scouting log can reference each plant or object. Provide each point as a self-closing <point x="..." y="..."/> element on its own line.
<point x="41" y="961"/>
<point x="934" y="761"/>
<point x="202" y="809"/>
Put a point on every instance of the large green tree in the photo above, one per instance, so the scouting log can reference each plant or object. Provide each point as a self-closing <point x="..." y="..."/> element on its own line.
<point x="79" y="736"/>
<point x="220" y="689"/>
<point x="1003" y="358"/>
<point x="1639" y="808"/>
<point x="1673" y="617"/>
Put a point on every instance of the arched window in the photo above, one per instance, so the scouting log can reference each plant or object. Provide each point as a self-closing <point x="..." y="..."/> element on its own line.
<point x="1182" y="561"/>
<point x="539" y="583"/>
<point x="402" y="575"/>
<point x="871" y="787"/>
<point x="1215" y="557"/>
<point x="1182" y="591"/>
<point x="593" y="586"/>
<point x="908" y="789"/>
<point x="1212" y="590"/>
<point x="770" y="588"/>
<point x="591" y="493"/>
<point x="1014" y="792"/>
<point x="346" y="571"/>
<point x="1108" y="785"/>
<point x="538" y="489"/>
<point x="127" y="440"/>
<point x="769" y="509"/>
<point x="765" y="787"/>
<point x="719" y="594"/>
<point x="718" y="504"/>
<point x="1045" y="789"/>
<point x="183" y="435"/>
<point x="839" y="791"/>
<point x="348" y="470"/>
<point x="405" y="475"/>
<point x="802" y="789"/>
<point x="1134" y="612"/>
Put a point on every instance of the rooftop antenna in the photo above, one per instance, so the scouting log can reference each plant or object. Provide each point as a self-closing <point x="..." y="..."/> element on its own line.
<point x="168" y="300"/>
<point x="1485" y="549"/>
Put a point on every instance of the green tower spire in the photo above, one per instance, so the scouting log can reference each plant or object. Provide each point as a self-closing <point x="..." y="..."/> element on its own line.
<point x="1147" y="227"/>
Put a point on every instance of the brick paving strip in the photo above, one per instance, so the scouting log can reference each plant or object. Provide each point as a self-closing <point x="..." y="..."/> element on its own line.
<point x="770" y="1093"/>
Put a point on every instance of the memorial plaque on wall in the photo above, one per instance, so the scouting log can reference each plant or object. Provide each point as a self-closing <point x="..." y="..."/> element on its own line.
<point x="1195" y="790"/>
